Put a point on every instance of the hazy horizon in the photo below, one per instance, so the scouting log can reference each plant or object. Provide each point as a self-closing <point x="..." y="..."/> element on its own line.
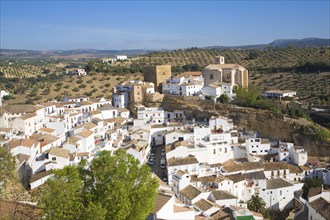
<point x="127" y="25"/>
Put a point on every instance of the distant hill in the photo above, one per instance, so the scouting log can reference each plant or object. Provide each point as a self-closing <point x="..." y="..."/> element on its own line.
<point x="76" y="53"/>
<point x="93" y="53"/>
<point x="281" y="43"/>
<point x="307" y="42"/>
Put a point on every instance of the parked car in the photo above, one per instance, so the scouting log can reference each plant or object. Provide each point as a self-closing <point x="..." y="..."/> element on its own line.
<point x="163" y="163"/>
<point x="151" y="161"/>
<point x="164" y="177"/>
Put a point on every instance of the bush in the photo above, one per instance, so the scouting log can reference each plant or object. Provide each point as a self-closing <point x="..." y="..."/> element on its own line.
<point x="208" y="97"/>
<point x="82" y="86"/>
<point x="75" y="89"/>
<point x="224" y="99"/>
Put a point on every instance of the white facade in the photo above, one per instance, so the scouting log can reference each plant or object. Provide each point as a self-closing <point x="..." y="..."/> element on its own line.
<point x="257" y="146"/>
<point x="280" y="93"/>
<point x="212" y="90"/>
<point x="186" y="86"/>
<point x="318" y="208"/>
<point x="79" y="72"/>
<point x="121" y="57"/>
<point x="326" y="176"/>
<point x="150" y="115"/>
<point x="120" y="99"/>
<point x="217" y="89"/>
<point x="277" y="197"/>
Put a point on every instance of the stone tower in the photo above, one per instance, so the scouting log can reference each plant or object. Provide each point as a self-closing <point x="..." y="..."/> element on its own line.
<point x="157" y="75"/>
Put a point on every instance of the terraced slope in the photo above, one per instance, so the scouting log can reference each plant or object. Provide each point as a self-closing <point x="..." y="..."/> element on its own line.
<point x="269" y="58"/>
<point x="25" y="70"/>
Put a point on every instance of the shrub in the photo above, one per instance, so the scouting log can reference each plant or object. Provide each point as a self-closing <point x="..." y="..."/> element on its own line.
<point x="75" y="89"/>
<point x="224" y="99"/>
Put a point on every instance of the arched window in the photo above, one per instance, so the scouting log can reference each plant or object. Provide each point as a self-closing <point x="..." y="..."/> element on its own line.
<point x="211" y="76"/>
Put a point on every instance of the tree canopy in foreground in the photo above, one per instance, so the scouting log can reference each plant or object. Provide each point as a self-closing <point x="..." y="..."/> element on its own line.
<point x="112" y="187"/>
<point x="7" y="168"/>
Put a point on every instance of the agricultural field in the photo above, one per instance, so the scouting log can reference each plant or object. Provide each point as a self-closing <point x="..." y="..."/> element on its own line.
<point x="309" y="87"/>
<point x="25" y="70"/>
<point x="96" y="85"/>
<point x="251" y="59"/>
<point x="266" y="70"/>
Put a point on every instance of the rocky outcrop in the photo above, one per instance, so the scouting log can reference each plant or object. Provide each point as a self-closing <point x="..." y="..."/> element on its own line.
<point x="269" y="124"/>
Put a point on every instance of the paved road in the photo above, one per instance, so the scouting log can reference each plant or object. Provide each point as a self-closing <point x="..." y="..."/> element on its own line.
<point x="156" y="166"/>
<point x="303" y="215"/>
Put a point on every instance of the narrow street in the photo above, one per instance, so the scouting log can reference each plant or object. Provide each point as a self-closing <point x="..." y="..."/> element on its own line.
<point x="303" y="215"/>
<point x="160" y="172"/>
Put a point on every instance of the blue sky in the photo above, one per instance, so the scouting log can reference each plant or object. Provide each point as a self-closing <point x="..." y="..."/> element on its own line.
<point x="157" y="24"/>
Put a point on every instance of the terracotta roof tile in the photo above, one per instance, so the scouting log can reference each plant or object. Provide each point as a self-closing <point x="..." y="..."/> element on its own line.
<point x="18" y="210"/>
<point x="322" y="207"/>
<point x="203" y="205"/>
<point x="190" y="192"/>
<point x="160" y="201"/>
<point x="182" y="161"/>
<point x="277" y="183"/>
<point x="222" y="194"/>
<point x="60" y="152"/>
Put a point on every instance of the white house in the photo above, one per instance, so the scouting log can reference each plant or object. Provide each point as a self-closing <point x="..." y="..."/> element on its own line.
<point x="28" y="147"/>
<point x="39" y="179"/>
<point x="58" y="157"/>
<point x="326" y="176"/>
<point x="186" y="86"/>
<point x="279" y="93"/>
<point x="190" y="195"/>
<point x="139" y="149"/>
<point x="277" y="193"/>
<point x="319" y="209"/>
<point x="218" y="88"/>
<point x="188" y="164"/>
<point x="166" y="207"/>
<point x="174" y="117"/>
<point x="108" y="111"/>
<point x="222" y="197"/>
<point x="205" y="207"/>
<point x="22" y="118"/>
<point x="79" y="72"/>
<point x="120" y="99"/>
<point x="153" y="115"/>
<point x="121" y="57"/>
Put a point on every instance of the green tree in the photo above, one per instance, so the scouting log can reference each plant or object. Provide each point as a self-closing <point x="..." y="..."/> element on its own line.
<point x="62" y="196"/>
<point x="110" y="187"/>
<point x="223" y="99"/>
<point x="256" y="203"/>
<point x="310" y="183"/>
<point x="129" y="199"/>
<point x="7" y="167"/>
<point x="247" y="97"/>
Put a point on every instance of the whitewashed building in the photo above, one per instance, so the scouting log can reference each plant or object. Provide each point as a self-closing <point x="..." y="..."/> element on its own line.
<point x="279" y="93"/>
<point x="153" y="115"/>
<point x="186" y="86"/>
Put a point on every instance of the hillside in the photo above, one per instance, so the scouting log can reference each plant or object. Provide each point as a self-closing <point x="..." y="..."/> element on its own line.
<point x="270" y="124"/>
<point x="269" y="58"/>
<point x="271" y="68"/>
